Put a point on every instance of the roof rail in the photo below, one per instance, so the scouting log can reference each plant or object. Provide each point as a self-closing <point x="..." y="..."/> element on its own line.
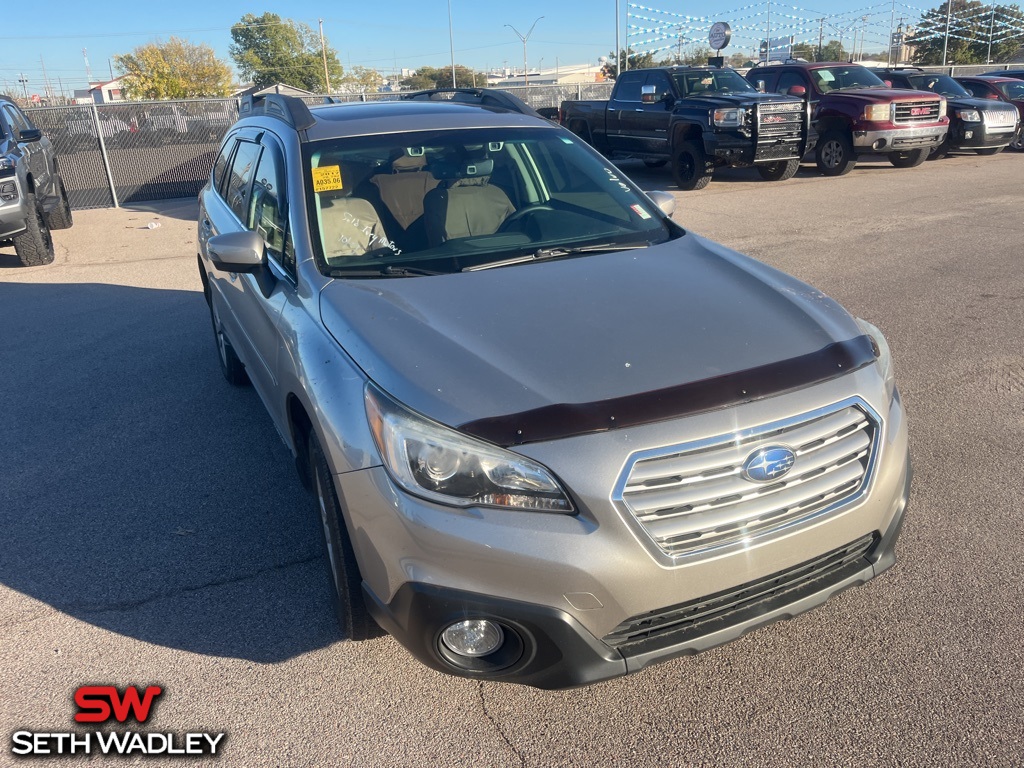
<point x="290" y="109"/>
<point x="480" y="97"/>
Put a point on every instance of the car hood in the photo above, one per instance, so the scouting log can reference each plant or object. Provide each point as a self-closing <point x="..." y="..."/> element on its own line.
<point x="743" y="98"/>
<point x="542" y="350"/>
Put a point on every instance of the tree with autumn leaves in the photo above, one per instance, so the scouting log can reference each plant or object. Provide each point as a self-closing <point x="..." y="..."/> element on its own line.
<point x="176" y="69"/>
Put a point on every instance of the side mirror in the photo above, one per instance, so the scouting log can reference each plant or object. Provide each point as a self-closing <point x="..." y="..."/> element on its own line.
<point x="237" y="251"/>
<point x="797" y="90"/>
<point x="30" y="134"/>
<point x="648" y="98"/>
<point x="666" y="201"/>
<point x="760" y="85"/>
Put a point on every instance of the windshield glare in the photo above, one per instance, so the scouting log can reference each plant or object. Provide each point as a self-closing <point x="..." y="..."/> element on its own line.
<point x="836" y="78"/>
<point x="711" y="81"/>
<point x="444" y="201"/>
<point x="943" y="85"/>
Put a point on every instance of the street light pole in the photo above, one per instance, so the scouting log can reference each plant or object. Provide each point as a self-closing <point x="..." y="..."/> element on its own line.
<point x="451" y="41"/>
<point x="526" y="78"/>
<point x="323" y="52"/>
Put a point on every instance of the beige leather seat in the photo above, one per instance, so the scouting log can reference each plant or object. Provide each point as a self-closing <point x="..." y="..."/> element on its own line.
<point x="403" y="190"/>
<point x="466" y="204"/>
<point x="351" y="225"/>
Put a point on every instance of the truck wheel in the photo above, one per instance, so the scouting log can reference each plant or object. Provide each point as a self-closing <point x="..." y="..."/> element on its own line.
<point x="350" y="609"/>
<point x="834" y="154"/>
<point x="34" y="246"/>
<point x="780" y="171"/>
<point x="909" y="159"/>
<point x="1017" y="142"/>
<point x="690" y="166"/>
<point x="940" y="151"/>
<point x="990" y="151"/>
<point x="655" y="163"/>
<point x="60" y="217"/>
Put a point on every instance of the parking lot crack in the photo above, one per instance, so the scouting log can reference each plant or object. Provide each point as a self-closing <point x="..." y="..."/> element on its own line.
<point x="497" y="725"/>
<point x="131" y="605"/>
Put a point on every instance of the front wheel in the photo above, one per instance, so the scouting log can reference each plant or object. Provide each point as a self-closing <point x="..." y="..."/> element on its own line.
<point x="349" y="608"/>
<point x="691" y="168"/>
<point x="780" y="171"/>
<point x="940" y="151"/>
<point x="909" y="159"/>
<point x="1017" y="142"/>
<point x="60" y="217"/>
<point x="834" y="154"/>
<point x="34" y="246"/>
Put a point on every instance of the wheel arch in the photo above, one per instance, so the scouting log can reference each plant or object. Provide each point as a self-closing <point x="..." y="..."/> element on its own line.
<point x="683" y="131"/>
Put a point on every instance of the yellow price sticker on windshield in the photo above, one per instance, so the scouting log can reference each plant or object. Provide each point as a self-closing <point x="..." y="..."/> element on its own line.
<point x="327" y="178"/>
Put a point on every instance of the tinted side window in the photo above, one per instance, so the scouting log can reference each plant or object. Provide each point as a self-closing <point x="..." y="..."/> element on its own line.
<point x="765" y="75"/>
<point x="267" y="212"/>
<point x="240" y="182"/>
<point x="221" y="166"/>
<point x="15" y="118"/>
<point x="788" y="79"/>
<point x="977" y="89"/>
<point x="629" y="85"/>
<point x="660" y="81"/>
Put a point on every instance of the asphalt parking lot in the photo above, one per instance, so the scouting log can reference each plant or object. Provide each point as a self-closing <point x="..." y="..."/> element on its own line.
<point x="153" y="529"/>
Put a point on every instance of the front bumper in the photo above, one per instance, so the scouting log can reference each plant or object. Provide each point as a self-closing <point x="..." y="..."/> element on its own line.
<point x="590" y="596"/>
<point x="979" y="135"/>
<point x="555" y="651"/>
<point x="13" y="213"/>
<point x="898" y="139"/>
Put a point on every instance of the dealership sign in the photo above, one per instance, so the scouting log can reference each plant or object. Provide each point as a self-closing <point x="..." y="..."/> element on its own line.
<point x="720" y="35"/>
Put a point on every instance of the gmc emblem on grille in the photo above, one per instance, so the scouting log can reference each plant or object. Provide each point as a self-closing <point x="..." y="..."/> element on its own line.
<point x="915" y="111"/>
<point x="773" y="119"/>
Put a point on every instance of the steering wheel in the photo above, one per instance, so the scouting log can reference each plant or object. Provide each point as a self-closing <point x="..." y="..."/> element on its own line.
<point x="522" y="212"/>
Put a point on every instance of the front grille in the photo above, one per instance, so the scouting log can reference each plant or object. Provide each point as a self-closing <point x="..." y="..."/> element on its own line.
<point x="913" y="112"/>
<point x="780" y="121"/>
<point x="693" y="498"/>
<point x="1000" y="118"/>
<point x="703" y="616"/>
<point x="778" y="151"/>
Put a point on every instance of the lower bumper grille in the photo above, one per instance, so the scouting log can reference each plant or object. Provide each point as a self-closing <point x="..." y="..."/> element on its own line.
<point x="697" y="618"/>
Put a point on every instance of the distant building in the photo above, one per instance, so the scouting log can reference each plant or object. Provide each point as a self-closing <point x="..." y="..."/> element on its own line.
<point x="562" y="75"/>
<point x="281" y="88"/>
<point x="100" y="93"/>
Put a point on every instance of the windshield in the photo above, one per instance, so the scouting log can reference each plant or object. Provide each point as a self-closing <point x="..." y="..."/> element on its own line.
<point x="839" y="78"/>
<point x="1013" y="91"/>
<point x="443" y="201"/>
<point x="943" y="85"/>
<point x="710" y="81"/>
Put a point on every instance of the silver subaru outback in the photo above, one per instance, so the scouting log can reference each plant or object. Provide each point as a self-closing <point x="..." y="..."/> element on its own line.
<point x="552" y="436"/>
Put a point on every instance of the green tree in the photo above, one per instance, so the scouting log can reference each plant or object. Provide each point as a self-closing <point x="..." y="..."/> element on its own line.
<point x="441" y="77"/>
<point x="833" y="51"/>
<point x="176" y="69"/>
<point x="358" y="80"/>
<point x="970" y="23"/>
<point x="636" y="61"/>
<point x="268" y="49"/>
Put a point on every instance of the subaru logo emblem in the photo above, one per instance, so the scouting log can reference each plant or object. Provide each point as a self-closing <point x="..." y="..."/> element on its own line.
<point x="768" y="464"/>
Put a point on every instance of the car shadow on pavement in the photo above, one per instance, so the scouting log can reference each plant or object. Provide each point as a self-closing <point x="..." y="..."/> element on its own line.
<point x="142" y="493"/>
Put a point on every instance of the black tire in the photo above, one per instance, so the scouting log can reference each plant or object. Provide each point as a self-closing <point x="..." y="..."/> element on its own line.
<point x="354" y="620"/>
<point x="230" y="365"/>
<point x="655" y="163"/>
<point x="834" y="154"/>
<point x="691" y="168"/>
<point x="34" y="246"/>
<point x="780" y="171"/>
<point x="988" y="151"/>
<point x="940" y="151"/>
<point x="909" y="159"/>
<point x="1017" y="142"/>
<point x="60" y="217"/>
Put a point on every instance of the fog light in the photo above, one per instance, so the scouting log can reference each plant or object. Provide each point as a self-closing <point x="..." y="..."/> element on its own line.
<point x="473" y="637"/>
<point x="8" y="191"/>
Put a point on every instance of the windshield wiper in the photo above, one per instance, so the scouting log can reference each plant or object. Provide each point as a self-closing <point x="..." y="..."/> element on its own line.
<point x="387" y="271"/>
<point x="542" y="254"/>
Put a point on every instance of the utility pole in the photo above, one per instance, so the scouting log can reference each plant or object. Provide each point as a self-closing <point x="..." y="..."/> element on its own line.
<point x="46" y="81"/>
<point x="323" y="53"/>
<point x="24" y="84"/>
<point x="892" y="25"/>
<point x="88" y="69"/>
<point x="618" y="50"/>
<point x="526" y="77"/>
<point x="991" y="24"/>
<point x="768" y="35"/>
<point x="821" y="35"/>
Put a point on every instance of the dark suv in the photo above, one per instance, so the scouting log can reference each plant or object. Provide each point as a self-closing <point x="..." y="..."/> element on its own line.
<point x="855" y="112"/>
<point x="982" y="125"/>
<point x="32" y="196"/>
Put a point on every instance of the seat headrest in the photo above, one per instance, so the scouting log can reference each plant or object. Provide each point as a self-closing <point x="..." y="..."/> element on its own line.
<point x="408" y="163"/>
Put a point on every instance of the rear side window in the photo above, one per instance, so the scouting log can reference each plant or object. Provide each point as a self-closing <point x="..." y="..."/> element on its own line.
<point x="788" y="79"/>
<point x="239" y="183"/>
<point x="221" y="166"/>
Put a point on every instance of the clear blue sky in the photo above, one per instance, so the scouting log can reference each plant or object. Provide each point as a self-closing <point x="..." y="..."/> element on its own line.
<point x="406" y="34"/>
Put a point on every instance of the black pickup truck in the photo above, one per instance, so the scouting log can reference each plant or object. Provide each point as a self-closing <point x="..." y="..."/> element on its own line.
<point x="697" y="118"/>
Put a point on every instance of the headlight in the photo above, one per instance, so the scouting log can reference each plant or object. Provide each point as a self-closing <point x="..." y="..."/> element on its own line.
<point x="883" y="357"/>
<point x="878" y="112"/>
<point x="438" y="463"/>
<point x="942" y="106"/>
<point x="729" y="118"/>
<point x="969" y="115"/>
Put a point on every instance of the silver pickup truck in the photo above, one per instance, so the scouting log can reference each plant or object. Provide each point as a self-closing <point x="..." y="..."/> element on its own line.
<point x="32" y="196"/>
<point x="553" y="437"/>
